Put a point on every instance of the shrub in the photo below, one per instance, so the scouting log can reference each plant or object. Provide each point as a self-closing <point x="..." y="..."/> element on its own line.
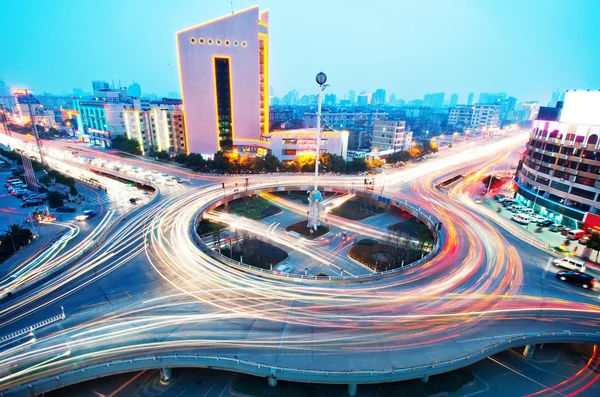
<point x="367" y="241"/>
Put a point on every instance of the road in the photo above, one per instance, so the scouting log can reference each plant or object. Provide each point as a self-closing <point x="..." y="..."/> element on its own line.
<point x="150" y="294"/>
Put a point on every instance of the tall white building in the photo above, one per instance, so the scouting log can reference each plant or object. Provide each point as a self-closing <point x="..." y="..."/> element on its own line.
<point x="390" y="135"/>
<point x="477" y="116"/>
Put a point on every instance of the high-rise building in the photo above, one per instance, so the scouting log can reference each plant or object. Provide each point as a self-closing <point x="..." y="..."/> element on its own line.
<point x="4" y="89"/>
<point x="556" y="96"/>
<point x="330" y="100"/>
<point x="507" y="109"/>
<point x="435" y="101"/>
<point x="488" y="98"/>
<point x="363" y="99"/>
<point x="453" y="100"/>
<point x="223" y="66"/>
<point x="392" y="101"/>
<point x="134" y="90"/>
<point x="558" y="176"/>
<point x="390" y="135"/>
<point x="478" y="116"/>
<point x="100" y="85"/>
<point x="174" y="94"/>
<point x="378" y="97"/>
<point x="352" y="97"/>
<point x="470" y="99"/>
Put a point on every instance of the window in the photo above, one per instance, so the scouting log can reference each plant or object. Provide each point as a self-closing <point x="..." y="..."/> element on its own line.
<point x="235" y="43"/>
<point x="201" y="40"/>
<point x="227" y="43"/>
<point x="219" y="42"/>
<point x="244" y="44"/>
<point x="210" y="41"/>
<point x="193" y="40"/>
<point x="289" y="152"/>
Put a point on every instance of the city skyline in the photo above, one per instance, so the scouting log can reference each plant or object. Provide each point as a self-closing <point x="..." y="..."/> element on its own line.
<point x="564" y="30"/>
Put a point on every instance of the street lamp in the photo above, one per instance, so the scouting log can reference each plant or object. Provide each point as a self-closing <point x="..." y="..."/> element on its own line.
<point x="454" y="136"/>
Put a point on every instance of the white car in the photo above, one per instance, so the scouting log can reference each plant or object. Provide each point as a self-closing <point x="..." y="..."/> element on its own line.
<point x="282" y="269"/>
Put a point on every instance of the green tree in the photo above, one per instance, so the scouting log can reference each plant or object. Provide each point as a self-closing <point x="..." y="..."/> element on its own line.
<point x="54" y="199"/>
<point x="19" y="234"/>
<point x="594" y="243"/>
<point x="357" y="165"/>
<point x="267" y="163"/>
<point x="124" y="144"/>
<point x="162" y="155"/>
<point x="73" y="191"/>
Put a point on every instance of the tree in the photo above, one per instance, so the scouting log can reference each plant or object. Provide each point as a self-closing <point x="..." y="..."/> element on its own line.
<point x="124" y="144"/>
<point x="496" y="182"/>
<point x="594" y="243"/>
<point x="162" y="155"/>
<point x="357" y="165"/>
<point x="268" y="163"/>
<point x="54" y="199"/>
<point x="424" y="236"/>
<point x="402" y="155"/>
<point x="416" y="152"/>
<point x="374" y="163"/>
<point x="19" y="234"/>
<point x="73" y="191"/>
<point x="430" y="147"/>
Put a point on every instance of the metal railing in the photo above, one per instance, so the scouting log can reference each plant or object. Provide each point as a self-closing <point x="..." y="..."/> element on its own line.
<point x="416" y="211"/>
<point x="33" y="327"/>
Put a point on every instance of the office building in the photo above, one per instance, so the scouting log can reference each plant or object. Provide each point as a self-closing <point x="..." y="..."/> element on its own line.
<point x="434" y="100"/>
<point x="470" y="99"/>
<point x="359" y="124"/>
<point x="352" y="97"/>
<point x="330" y="100"/>
<point x="378" y="97"/>
<point x="390" y="135"/>
<point x="488" y="98"/>
<point x="134" y="90"/>
<point x="4" y="89"/>
<point x="286" y="145"/>
<point x="556" y="97"/>
<point x="363" y="99"/>
<point x="453" y="100"/>
<point x="476" y="117"/>
<point x="558" y="175"/>
<point x="223" y="66"/>
<point x="392" y="101"/>
<point x="100" y="85"/>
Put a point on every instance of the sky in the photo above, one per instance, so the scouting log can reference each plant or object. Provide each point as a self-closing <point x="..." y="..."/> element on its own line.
<point x="526" y="48"/>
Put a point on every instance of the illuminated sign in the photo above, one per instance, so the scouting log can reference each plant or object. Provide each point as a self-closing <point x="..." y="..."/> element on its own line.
<point x="581" y="107"/>
<point x="19" y="91"/>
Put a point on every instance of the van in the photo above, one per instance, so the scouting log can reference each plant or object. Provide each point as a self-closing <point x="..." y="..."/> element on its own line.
<point x="527" y="211"/>
<point x="571" y="263"/>
<point x="521" y="218"/>
<point x="575" y="234"/>
<point x="517" y="208"/>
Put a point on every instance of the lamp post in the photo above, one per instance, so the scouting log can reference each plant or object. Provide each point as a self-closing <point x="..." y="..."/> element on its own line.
<point x="314" y="197"/>
<point x="35" y="131"/>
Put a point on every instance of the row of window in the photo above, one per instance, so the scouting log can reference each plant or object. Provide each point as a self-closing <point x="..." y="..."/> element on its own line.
<point x="210" y="41"/>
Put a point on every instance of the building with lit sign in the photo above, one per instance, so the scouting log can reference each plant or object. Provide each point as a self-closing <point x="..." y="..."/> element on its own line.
<point x="558" y="175"/>
<point x="286" y="145"/>
<point x="390" y="135"/>
<point x="224" y="69"/>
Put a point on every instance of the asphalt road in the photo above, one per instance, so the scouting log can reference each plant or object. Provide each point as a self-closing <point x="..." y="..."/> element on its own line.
<point x="150" y="291"/>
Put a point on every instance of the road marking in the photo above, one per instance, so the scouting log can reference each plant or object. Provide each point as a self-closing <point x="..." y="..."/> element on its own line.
<point x="225" y="389"/>
<point x="547" y="267"/>
<point x="213" y="385"/>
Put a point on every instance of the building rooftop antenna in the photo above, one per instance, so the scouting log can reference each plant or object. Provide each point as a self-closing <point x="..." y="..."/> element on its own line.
<point x="231" y="4"/>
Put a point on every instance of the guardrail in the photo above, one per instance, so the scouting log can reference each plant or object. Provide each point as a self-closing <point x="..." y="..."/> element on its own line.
<point x="416" y="211"/>
<point x="342" y="376"/>
<point x="33" y="327"/>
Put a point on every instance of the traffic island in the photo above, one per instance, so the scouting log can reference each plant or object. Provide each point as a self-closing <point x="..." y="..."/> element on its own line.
<point x="380" y="257"/>
<point x="254" y="252"/>
<point x="251" y="207"/>
<point x="358" y="209"/>
<point x="302" y="229"/>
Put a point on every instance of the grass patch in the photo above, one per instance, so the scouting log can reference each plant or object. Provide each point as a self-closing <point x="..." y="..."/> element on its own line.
<point x="381" y="257"/>
<point x="255" y="252"/>
<point x="253" y="207"/>
<point x="299" y="195"/>
<point x="448" y="382"/>
<point x="303" y="230"/>
<point x="206" y="226"/>
<point x="357" y="209"/>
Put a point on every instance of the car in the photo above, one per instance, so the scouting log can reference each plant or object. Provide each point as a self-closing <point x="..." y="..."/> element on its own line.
<point x="500" y="197"/>
<point x="570" y="263"/>
<point x="556" y="227"/>
<point x="477" y="200"/>
<point x="521" y="218"/>
<point x="544" y="223"/>
<point x="21" y="192"/>
<point x="565" y="231"/>
<point x="65" y="209"/>
<point x="507" y="203"/>
<point x="537" y="218"/>
<point x="85" y="215"/>
<point x="134" y="200"/>
<point x="31" y="203"/>
<point x="585" y="240"/>
<point x="572" y="276"/>
<point x="282" y="269"/>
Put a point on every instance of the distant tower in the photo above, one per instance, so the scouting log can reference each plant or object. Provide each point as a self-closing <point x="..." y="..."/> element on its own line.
<point x="315" y="197"/>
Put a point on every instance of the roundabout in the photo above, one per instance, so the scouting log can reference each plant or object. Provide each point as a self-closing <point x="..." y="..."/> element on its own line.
<point x="187" y="307"/>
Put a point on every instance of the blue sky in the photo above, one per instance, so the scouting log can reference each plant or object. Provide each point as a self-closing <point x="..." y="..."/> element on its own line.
<point x="527" y="48"/>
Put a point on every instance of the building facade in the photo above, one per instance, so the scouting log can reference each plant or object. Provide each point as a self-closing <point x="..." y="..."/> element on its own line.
<point x="559" y="173"/>
<point x="286" y="145"/>
<point x="224" y="69"/>
<point x="390" y="135"/>
<point x="479" y="116"/>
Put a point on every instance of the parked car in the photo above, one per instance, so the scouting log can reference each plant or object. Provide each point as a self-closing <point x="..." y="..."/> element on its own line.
<point x="517" y="208"/>
<point x="576" y="234"/>
<point x="31" y="203"/>
<point x="507" y="203"/>
<point x="555" y="227"/>
<point x="537" y="218"/>
<point x="584" y="280"/>
<point x="21" y="192"/>
<point x="544" y="223"/>
<point x="585" y="240"/>
<point x="565" y="231"/>
<point x="521" y="218"/>
<point x="500" y="197"/>
<point x="65" y="209"/>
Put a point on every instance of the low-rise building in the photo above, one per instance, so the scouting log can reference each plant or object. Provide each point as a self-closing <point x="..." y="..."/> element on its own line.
<point x="286" y="145"/>
<point x="390" y="135"/>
